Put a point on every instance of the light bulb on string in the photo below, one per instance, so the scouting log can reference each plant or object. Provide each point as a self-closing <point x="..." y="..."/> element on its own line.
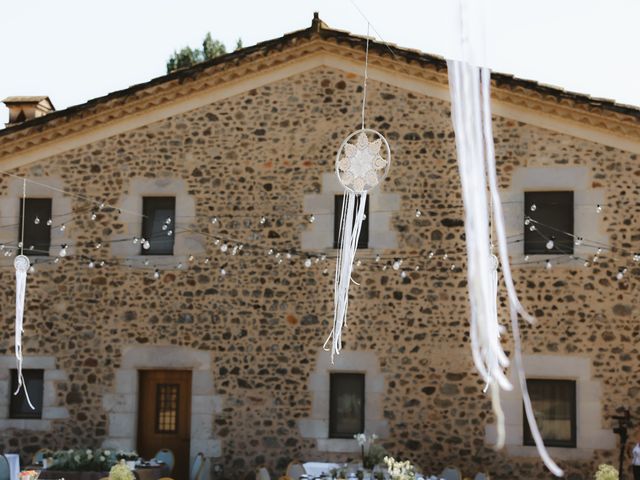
<point x="56" y="260"/>
<point x="598" y="208"/>
<point x="36" y="220"/>
<point x="156" y="274"/>
<point x="453" y="267"/>
<point x="323" y="257"/>
<point x="417" y="268"/>
<point x="396" y="264"/>
<point x="101" y="206"/>
<point x="527" y="221"/>
<point x="224" y="247"/>
<point x="445" y="256"/>
<point x="636" y="257"/>
<point x="169" y="233"/>
<point x="31" y="247"/>
<point x="358" y="263"/>
<point x="619" y="275"/>
<point x="20" y="244"/>
<point x="533" y="207"/>
<point x="135" y="240"/>
<point x="63" y="251"/>
<point x="598" y="251"/>
<point x="91" y="264"/>
<point x="578" y="241"/>
<point x="325" y="272"/>
<point x="377" y="257"/>
<point x="32" y="268"/>
<point x="191" y="258"/>
<point x="234" y="250"/>
<point x="98" y="245"/>
<point x="317" y="260"/>
<point x="146" y="245"/>
<point x="223" y="271"/>
<point x="206" y="260"/>
<point x="164" y="227"/>
<point x="532" y="228"/>
<point x="49" y="222"/>
<point x="548" y="265"/>
<point x="288" y="255"/>
<point x="168" y="220"/>
<point x="418" y="213"/>
<point x="403" y="274"/>
<point x="594" y="259"/>
<point x="263" y="220"/>
<point x="216" y="242"/>
<point x="94" y="215"/>
<point x="63" y="227"/>
<point x="586" y="263"/>
<point x="214" y="220"/>
<point x="101" y="263"/>
<point x="549" y="244"/>
<point x="312" y="218"/>
<point x="526" y="258"/>
<point x="180" y="266"/>
<point x="307" y="262"/>
<point x="431" y="254"/>
<point x="384" y="267"/>
<point x="270" y="251"/>
<point x="146" y="262"/>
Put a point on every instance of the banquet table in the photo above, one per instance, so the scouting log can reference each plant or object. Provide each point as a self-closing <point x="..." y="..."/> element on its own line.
<point x="141" y="473"/>
<point x="14" y="465"/>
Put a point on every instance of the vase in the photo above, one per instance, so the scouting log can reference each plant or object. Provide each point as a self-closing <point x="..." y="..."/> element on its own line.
<point x="131" y="464"/>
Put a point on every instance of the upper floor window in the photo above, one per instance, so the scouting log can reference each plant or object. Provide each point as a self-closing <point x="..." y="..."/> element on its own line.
<point x="18" y="405"/>
<point x="37" y="226"/>
<point x="346" y="404"/>
<point x="363" y="240"/>
<point x="554" y="406"/>
<point x="551" y="223"/>
<point x="158" y="225"/>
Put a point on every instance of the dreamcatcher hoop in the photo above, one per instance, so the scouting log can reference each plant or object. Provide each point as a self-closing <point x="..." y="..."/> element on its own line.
<point x="379" y="144"/>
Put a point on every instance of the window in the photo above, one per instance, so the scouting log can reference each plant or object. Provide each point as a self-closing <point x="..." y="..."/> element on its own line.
<point x="554" y="406"/>
<point x="363" y="241"/>
<point x="18" y="405"/>
<point x="37" y="230"/>
<point x="167" y="398"/>
<point x="551" y="214"/>
<point x="346" y="405"/>
<point x="158" y="225"/>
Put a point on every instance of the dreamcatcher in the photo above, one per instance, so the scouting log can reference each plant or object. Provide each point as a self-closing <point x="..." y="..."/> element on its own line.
<point x="362" y="162"/>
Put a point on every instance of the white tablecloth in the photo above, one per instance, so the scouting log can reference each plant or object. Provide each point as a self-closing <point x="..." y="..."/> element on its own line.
<point x="14" y="464"/>
<point x="318" y="468"/>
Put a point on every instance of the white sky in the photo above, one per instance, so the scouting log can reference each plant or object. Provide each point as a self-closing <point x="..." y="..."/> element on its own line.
<point x="75" y="50"/>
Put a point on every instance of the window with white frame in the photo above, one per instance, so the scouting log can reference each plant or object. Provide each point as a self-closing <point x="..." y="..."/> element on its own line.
<point x="554" y="407"/>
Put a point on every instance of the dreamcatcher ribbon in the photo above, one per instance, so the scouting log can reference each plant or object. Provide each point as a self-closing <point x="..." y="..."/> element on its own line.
<point x="471" y="115"/>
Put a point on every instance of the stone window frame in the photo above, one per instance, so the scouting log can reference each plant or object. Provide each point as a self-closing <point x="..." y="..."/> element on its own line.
<point x="588" y="223"/>
<point x="51" y="411"/>
<point x="316" y="426"/>
<point x="319" y="234"/>
<point x="10" y="213"/>
<point x="590" y="436"/>
<point x="185" y="244"/>
<point x="122" y="404"/>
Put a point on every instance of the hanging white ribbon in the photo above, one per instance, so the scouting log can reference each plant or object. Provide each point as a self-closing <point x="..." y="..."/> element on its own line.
<point x="350" y="229"/>
<point x="21" y="264"/>
<point x="471" y="115"/>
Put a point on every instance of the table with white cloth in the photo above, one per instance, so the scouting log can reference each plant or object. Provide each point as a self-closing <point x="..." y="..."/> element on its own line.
<point x="315" y="469"/>
<point x="14" y="465"/>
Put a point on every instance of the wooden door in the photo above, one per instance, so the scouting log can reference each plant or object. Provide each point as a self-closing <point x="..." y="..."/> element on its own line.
<point x="164" y="416"/>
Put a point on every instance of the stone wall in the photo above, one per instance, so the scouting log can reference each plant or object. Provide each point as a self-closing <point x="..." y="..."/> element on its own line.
<point x="263" y="153"/>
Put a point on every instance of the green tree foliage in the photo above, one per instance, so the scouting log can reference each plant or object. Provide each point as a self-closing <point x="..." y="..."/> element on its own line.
<point x="188" y="56"/>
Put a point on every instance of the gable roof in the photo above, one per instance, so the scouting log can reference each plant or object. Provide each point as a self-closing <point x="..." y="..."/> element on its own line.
<point x="600" y="113"/>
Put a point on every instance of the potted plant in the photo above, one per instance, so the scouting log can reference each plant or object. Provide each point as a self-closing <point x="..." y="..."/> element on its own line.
<point x="372" y="453"/>
<point x="120" y="471"/>
<point x="400" y="470"/>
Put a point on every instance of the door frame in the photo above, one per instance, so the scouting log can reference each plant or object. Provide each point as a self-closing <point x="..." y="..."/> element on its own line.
<point x="122" y="404"/>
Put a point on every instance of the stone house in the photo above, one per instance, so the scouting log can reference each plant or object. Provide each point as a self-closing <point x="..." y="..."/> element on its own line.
<point x="210" y="340"/>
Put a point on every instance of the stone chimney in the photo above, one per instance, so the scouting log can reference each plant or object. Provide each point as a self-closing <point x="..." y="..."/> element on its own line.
<point x="22" y="109"/>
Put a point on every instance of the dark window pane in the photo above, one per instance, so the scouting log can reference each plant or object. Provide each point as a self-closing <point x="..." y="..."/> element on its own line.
<point x="552" y="217"/>
<point x="156" y="211"/>
<point x="554" y="406"/>
<point x="363" y="241"/>
<point x="167" y="400"/>
<point x="346" y="405"/>
<point x="18" y="406"/>
<point x="37" y="233"/>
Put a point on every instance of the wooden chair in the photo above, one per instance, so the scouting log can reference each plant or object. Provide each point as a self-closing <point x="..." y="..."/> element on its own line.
<point x="5" y="471"/>
<point x="167" y="457"/>
<point x="197" y="469"/>
<point x="295" y="470"/>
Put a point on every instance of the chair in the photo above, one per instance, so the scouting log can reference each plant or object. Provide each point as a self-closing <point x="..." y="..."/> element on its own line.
<point x="295" y="470"/>
<point x="481" y="476"/>
<point x="38" y="457"/>
<point x="166" y="456"/>
<point x="197" y="469"/>
<point x="262" y="474"/>
<point x="451" y="473"/>
<point x="5" y="472"/>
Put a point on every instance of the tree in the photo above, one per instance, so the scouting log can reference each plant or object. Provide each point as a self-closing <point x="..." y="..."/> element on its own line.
<point x="188" y="56"/>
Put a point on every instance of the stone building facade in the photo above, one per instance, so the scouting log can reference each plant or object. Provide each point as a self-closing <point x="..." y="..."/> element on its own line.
<point x="253" y="134"/>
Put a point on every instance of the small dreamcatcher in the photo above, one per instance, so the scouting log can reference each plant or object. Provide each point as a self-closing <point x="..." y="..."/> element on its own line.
<point x="362" y="162"/>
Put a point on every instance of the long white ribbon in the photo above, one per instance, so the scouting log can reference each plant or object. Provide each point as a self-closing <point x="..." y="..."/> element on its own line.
<point x="471" y="115"/>
<point x="21" y="264"/>
<point x="350" y="229"/>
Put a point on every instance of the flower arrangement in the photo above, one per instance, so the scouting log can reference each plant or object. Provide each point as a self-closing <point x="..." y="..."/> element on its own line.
<point x="607" y="472"/>
<point x="84" y="460"/>
<point x="120" y="471"/>
<point x="400" y="470"/>
<point x="28" y="475"/>
<point x="372" y="454"/>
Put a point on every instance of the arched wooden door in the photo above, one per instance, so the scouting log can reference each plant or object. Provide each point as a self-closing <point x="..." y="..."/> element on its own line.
<point x="164" y="416"/>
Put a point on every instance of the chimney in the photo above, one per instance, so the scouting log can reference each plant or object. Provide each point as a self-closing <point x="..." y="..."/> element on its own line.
<point x="22" y="109"/>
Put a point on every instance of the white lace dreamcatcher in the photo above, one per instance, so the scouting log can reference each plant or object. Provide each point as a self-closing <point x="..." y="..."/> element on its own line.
<point x="21" y="264"/>
<point x="362" y="162"/>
